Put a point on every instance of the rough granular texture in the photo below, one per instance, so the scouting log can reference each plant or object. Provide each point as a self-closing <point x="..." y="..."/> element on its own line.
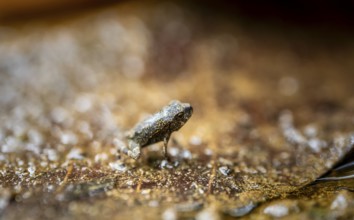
<point x="272" y="112"/>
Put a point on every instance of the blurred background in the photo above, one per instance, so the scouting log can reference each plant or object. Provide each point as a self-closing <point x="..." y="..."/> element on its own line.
<point x="271" y="84"/>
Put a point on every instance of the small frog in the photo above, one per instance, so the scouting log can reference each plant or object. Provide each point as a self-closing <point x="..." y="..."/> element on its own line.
<point x="158" y="127"/>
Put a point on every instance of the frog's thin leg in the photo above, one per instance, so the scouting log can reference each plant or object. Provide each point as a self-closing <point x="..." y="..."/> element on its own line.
<point x="165" y="143"/>
<point x="121" y="147"/>
<point x="125" y="150"/>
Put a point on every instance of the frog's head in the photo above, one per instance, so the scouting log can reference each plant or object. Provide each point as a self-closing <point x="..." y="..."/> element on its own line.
<point x="181" y="113"/>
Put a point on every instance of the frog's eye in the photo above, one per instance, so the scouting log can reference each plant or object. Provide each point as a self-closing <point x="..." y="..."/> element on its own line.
<point x="179" y="115"/>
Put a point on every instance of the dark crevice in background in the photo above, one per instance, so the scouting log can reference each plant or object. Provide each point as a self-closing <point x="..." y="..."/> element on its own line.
<point x="325" y="14"/>
<point x="325" y="25"/>
<point x="318" y="14"/>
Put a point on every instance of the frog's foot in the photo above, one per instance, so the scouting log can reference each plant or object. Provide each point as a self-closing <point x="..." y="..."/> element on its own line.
<point x="135" y="153"/>
<point x="133" y="150"/>
<point x="168" y="164"/>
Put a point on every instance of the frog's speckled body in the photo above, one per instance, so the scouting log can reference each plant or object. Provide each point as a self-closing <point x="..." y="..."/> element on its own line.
<point x="158" y="127"/>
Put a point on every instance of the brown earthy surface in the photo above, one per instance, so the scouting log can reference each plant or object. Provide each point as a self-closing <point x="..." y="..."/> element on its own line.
<point x="273" y="111"/>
